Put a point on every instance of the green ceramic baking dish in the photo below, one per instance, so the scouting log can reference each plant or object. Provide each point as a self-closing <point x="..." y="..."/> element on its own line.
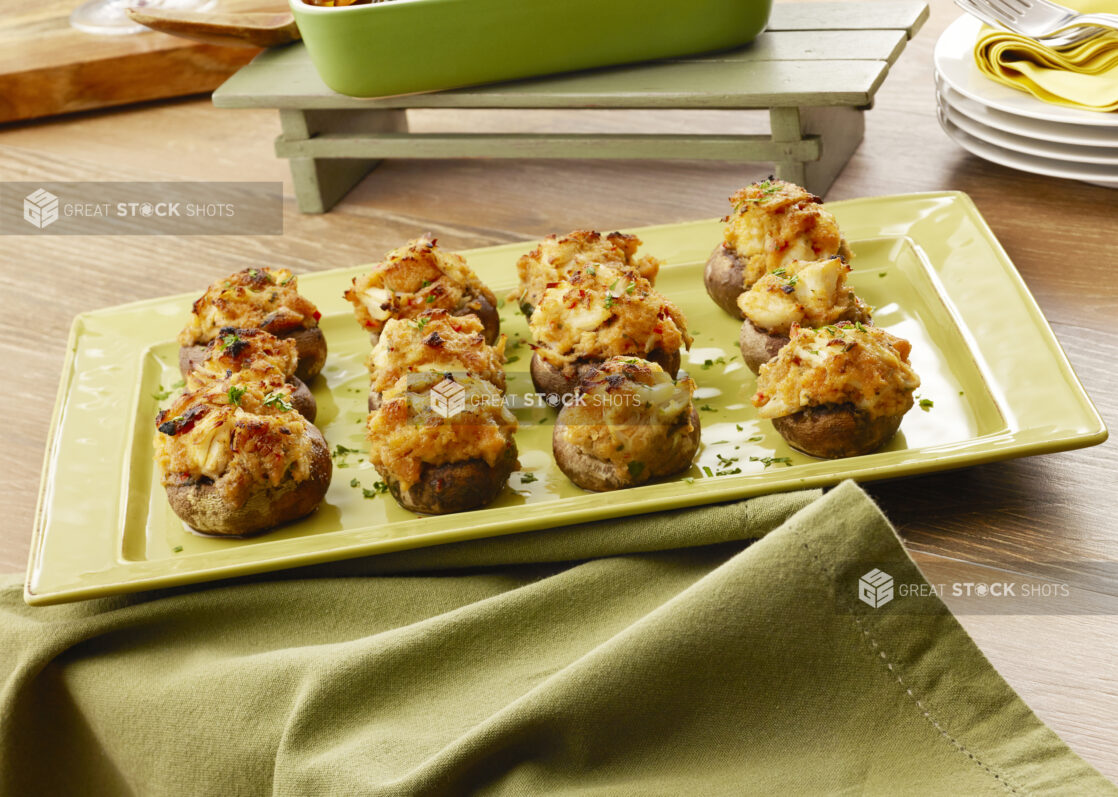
<point x="405" y="46"/>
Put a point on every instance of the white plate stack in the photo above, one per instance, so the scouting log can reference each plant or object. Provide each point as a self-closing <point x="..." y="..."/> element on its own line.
<point x="1013" y="128"/>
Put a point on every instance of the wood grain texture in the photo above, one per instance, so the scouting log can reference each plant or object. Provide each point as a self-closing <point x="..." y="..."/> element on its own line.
<point x="47" y="67"/>
<point x="1059" y="233"/>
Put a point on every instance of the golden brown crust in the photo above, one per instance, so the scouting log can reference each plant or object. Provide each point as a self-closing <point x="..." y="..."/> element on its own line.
<point x="598" y="313"/>
<point x="839" y="364"/>
<point x="433" y="341"/>
<point x="204" y="508"/>
<point x="556" y="257"/>
<point x="255" y="298"/>
<point x="246" y="356"/>
<point x="630" y="423"/>
<point x="772" y="223"/>
<point x="592" y="473"/>
<point x="415" y="429"/>
<point x="417" y="277"/>
<point x="809" y="293"/>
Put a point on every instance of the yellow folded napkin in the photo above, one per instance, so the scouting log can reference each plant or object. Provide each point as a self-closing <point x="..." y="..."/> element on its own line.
<point x="1084" y="77"/>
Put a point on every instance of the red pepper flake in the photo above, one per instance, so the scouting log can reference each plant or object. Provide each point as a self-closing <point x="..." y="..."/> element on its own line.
<point x="317" y="315"/>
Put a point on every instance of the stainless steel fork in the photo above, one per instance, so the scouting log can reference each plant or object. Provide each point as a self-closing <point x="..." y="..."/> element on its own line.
<point x="1052" y="25"/>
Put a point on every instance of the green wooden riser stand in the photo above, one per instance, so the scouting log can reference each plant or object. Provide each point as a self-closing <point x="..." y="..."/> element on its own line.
<point x="815" y="70"/>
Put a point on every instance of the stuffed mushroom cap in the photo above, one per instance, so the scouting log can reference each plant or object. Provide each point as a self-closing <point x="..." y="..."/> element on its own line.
<point x="236" y="458"/>
<point x="443" y="442"/>
<point x="840" y="390"/>
<point x="598" y="313"/>
<point x="630" y="422"/>
<point x="245" y="356"/>
<point x="418" y="277"/>
<point x="435" y="340"/>
<point x="555" y="257"/>
<point x="808" y="293"/>
<point x="772" y="223"/>
<point x="256" y="298"/>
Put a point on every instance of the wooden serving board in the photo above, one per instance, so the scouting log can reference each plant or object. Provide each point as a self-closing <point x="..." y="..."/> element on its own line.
<point x="48" y="68"/>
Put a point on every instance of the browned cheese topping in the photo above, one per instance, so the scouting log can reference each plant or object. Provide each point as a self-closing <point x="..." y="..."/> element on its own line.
<point x="774" y="223"/>
<point x="234" y="434"/>
<point x="435" y="341"/>
<point x="412" y="279"/>
<point x="261" y="298"/>
<point x="840" y="364"/>
<point x="246" y="355"/>
<point x="405" y="432"/>
<point x="809" y="293"/>
<point x="556" y="257"/>
<point x="598" y="312"/>
<point x="631" y="413"/>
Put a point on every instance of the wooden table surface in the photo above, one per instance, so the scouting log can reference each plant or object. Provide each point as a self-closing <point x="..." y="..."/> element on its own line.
<point x="1062" y="236"/>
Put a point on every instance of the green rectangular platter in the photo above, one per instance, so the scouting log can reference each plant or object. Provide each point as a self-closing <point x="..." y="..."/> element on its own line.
<point x="1000" y="384"/>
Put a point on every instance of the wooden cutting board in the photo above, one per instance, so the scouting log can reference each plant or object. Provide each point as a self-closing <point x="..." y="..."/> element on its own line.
<point x="47" y="67"/>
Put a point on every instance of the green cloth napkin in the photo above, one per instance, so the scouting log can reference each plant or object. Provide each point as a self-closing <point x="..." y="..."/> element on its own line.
<point x="662" y="654"/>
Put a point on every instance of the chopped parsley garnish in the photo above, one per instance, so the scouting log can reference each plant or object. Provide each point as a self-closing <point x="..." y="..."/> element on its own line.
<point x="431" y="299"/>
<point x="426" y="283"/>
<point x="707" y="408"/>
<point x="377" y="489"/>
<point x="708" y="471"/>
<point x="858" y="326"/>
<point x="632" y="286"/>
<point x="707" y="364"/>
<point x="780" y="272"/>
<point x="354" y="482"/>
<point x="236" y="393"/>
<point x="512" y="359"/>
<point x="635" y="469"/>
<point x="926" y="404"/>
<point x="419" y="323"/>
<point x="229" y="340"/>
<point x="609" y="301"/>
<point x="592" y="271"/>
<point x="528" y="478"/>
<point x="161" y="394"/>
<point x="690" y="479"/>
<point x="277" y="401"/>
<point x="881" y="273"/>
<point x="177" y="549"/>
<point x="177" y="384"/>
<point x="341" y="451"/>
<point x="767" y="461"/>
